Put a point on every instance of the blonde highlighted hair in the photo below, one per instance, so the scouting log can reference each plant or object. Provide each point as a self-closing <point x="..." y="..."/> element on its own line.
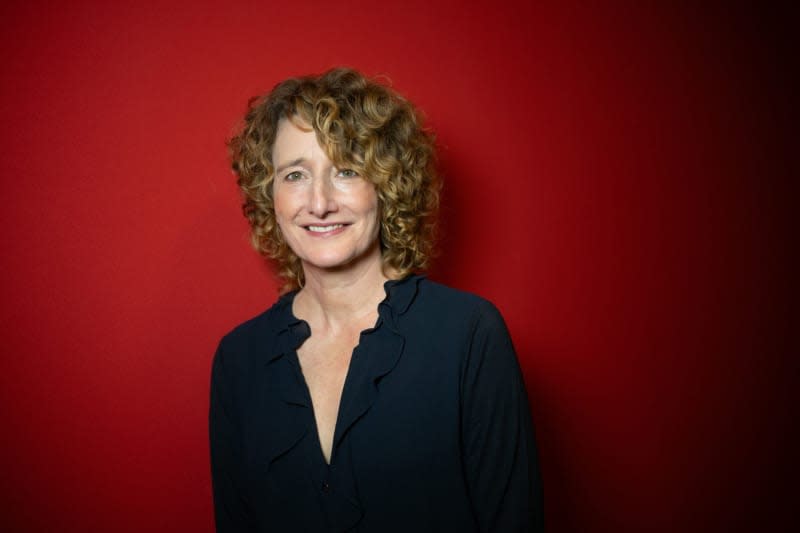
<point x="363" y="125"/>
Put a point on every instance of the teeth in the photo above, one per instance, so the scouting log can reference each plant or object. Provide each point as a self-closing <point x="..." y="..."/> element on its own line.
<point x="323" y="229"/>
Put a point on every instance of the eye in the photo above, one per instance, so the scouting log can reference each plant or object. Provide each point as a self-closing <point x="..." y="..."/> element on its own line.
<point x="348" y="173"/>
<point x="294" y="176"/>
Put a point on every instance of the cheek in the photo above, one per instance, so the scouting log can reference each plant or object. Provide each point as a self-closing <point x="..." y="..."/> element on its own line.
<point x="281" y="205"/>
<point x="369" y="200"/>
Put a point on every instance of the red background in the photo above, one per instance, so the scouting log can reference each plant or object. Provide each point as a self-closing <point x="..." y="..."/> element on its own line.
<point x="616" y="182"/>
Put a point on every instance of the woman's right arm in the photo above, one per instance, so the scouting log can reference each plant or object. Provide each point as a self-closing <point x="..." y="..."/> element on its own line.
<point x="230" y="508"/>
<point x="499" y="448"/>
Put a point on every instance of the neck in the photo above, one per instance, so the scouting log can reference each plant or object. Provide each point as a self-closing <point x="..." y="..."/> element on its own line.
<point x="338" y="299"/>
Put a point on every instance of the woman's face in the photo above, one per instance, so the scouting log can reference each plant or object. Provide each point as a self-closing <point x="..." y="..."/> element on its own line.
<point x="328" y="215"/>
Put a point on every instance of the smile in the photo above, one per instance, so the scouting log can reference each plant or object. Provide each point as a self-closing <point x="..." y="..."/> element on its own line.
<point x="324" y="229"/>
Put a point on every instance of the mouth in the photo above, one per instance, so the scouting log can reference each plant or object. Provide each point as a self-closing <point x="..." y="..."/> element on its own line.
<point x="323" y="228"/>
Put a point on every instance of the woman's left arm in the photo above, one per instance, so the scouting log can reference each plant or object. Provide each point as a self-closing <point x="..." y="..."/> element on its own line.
<point x="230" y="509"/>
<point x="499" y="449"/>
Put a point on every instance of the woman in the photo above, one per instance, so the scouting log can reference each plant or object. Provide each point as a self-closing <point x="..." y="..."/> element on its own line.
<point x="367" y="398"/>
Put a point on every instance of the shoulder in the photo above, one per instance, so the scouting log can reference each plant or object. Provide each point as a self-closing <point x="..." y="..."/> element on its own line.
<point x="453" y="326"/>
<point x="439" y="311"/>
<point x="257" y="335"/>
<point x="476" y="329"/>
<point x="462" y="305"/>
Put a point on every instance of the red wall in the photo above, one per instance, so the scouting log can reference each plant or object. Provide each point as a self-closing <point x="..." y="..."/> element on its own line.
<point x="617" y="183"/>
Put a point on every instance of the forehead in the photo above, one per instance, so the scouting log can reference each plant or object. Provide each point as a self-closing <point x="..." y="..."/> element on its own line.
<point x="294" y="138"/>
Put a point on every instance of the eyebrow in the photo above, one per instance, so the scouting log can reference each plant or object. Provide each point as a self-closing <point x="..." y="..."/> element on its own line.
<point x="292" y="163"/>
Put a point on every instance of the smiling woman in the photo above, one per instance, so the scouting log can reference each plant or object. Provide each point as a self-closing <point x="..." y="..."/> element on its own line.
<point x="367" y="398"/>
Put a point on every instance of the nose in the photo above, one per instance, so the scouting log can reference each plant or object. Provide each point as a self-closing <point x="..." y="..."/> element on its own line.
<point x="322" y="197"/>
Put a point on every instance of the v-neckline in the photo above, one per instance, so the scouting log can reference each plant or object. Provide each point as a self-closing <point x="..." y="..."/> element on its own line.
<point x="343" y="396"/>
<point x="352" y="396"/>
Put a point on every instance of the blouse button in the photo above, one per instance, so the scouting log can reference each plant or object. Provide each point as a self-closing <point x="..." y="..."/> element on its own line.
<point x="326" y="487"/>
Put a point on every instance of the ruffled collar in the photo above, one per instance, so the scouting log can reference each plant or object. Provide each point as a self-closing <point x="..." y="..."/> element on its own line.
<point x="292" y="331"/>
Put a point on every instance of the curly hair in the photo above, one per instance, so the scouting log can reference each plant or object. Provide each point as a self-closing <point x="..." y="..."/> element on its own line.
<point x="361" y="124"/>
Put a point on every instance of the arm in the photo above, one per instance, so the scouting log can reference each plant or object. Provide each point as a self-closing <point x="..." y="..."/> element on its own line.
<point x="498" y="444"/>
<point x="230" y="508"/>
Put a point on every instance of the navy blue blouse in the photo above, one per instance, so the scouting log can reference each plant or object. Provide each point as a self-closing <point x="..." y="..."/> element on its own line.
<point x="433" y="431"/>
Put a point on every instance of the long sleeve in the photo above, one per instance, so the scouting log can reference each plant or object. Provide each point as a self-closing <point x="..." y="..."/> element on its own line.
<point x="230" y="508"/>
<point x="497" y="434"/>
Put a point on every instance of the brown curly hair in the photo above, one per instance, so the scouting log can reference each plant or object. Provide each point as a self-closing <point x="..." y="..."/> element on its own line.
<point x="361" y="124"/>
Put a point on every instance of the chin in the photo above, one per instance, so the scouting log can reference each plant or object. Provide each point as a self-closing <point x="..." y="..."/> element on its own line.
<point x="339" y="258"/>
<point x="328" y="262"/>
<point x="336" y="262"/>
